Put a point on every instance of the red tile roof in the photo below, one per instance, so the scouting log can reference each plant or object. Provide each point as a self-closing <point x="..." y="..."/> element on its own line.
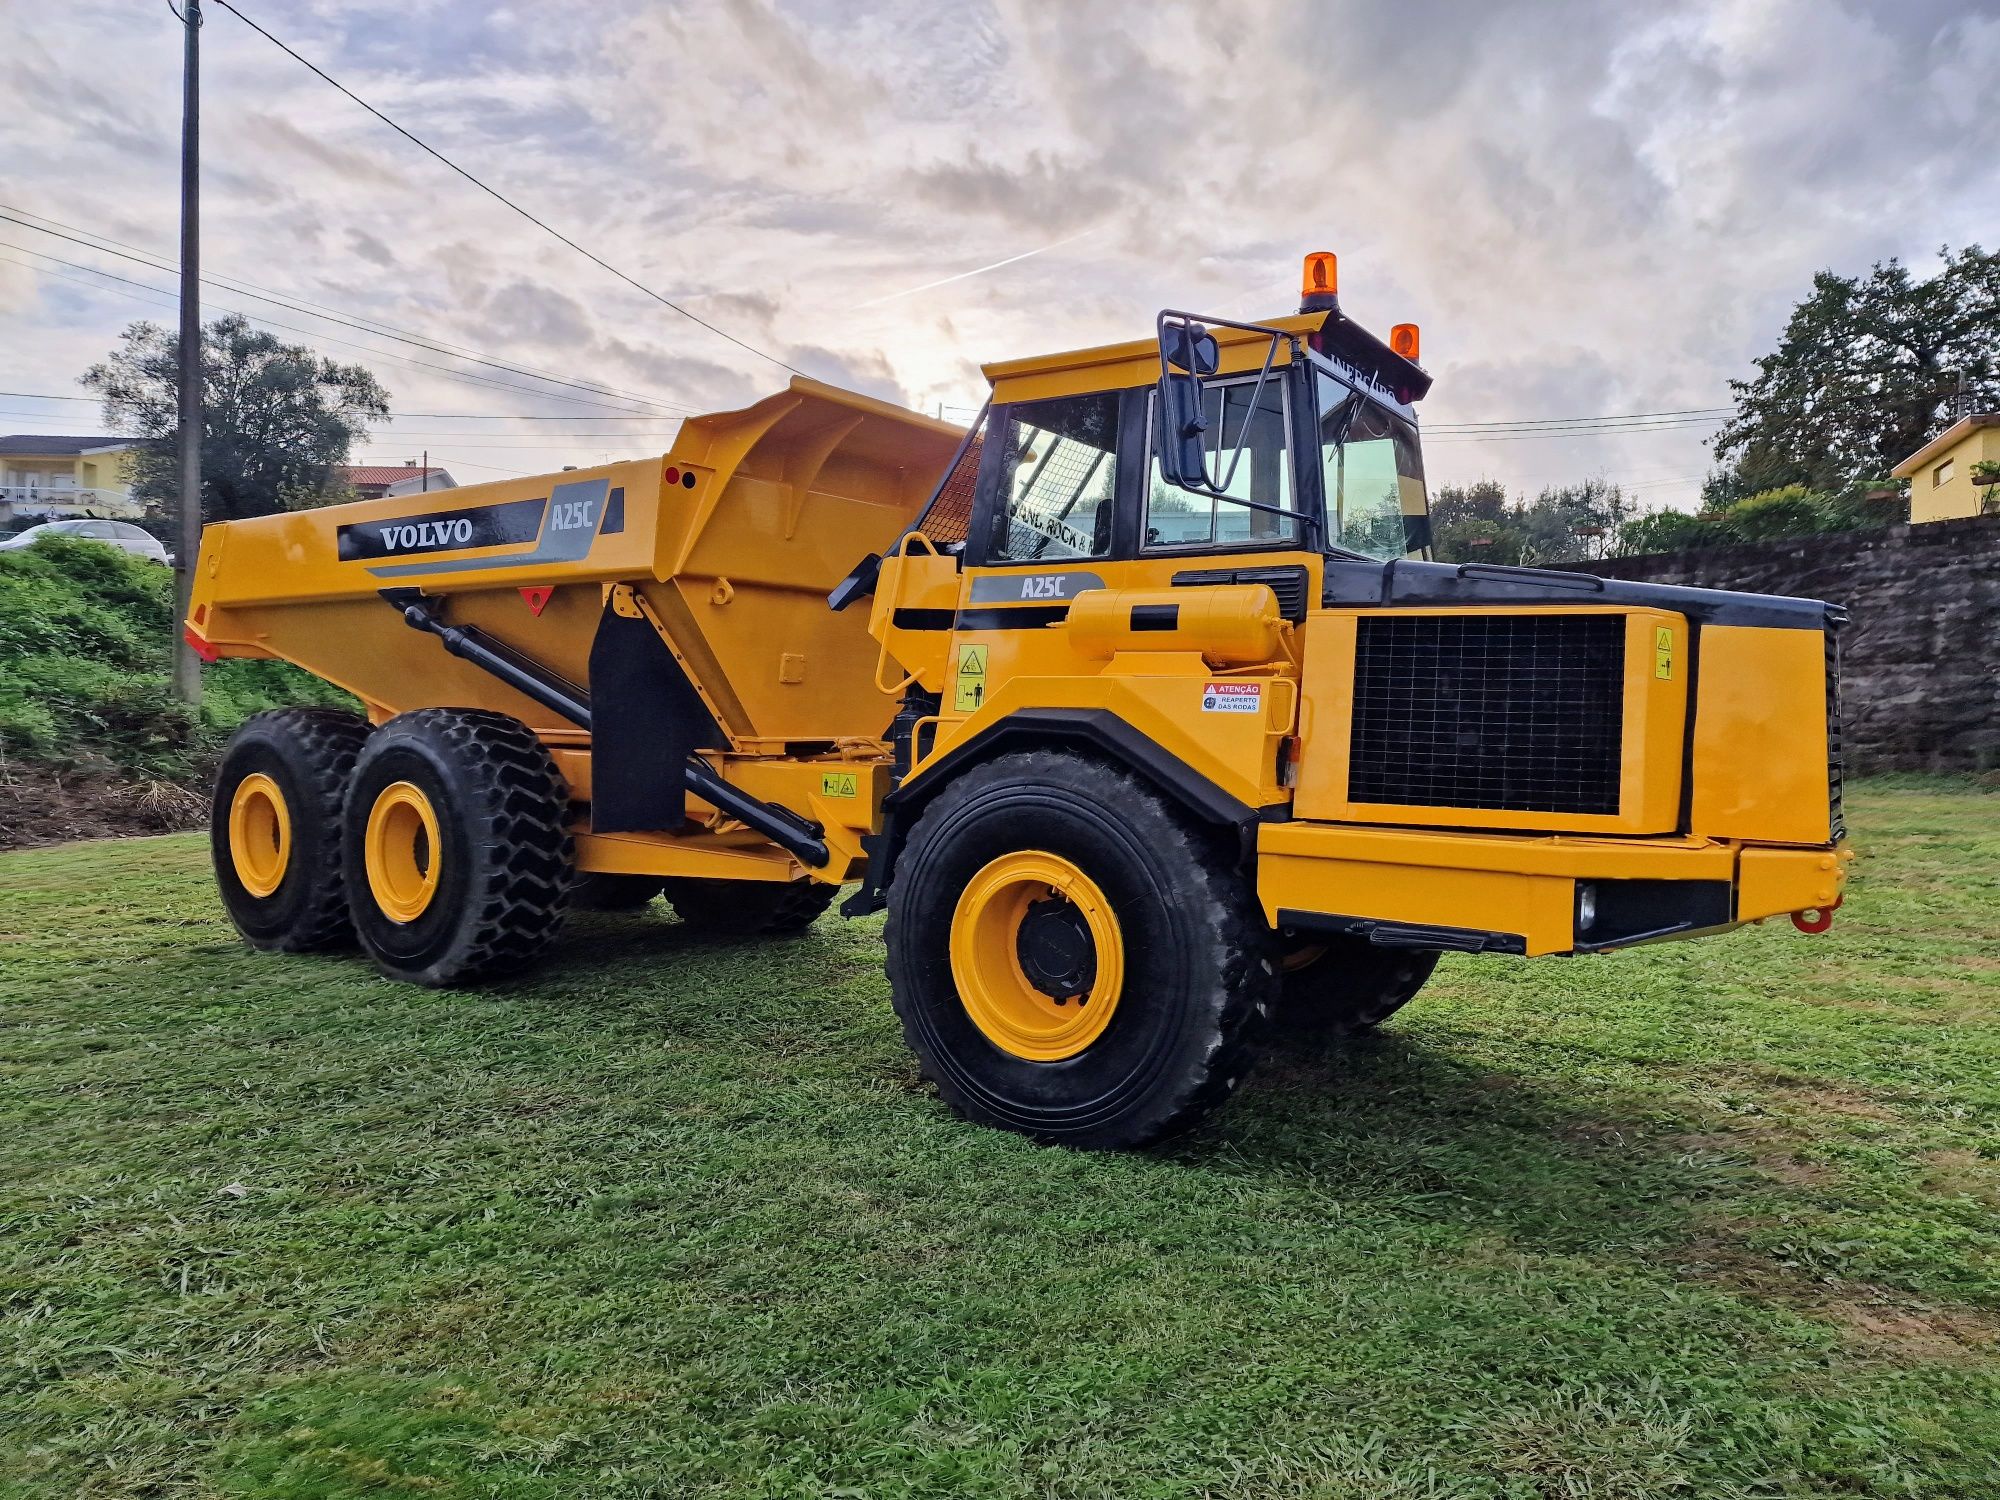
<point x="358" y="474"/>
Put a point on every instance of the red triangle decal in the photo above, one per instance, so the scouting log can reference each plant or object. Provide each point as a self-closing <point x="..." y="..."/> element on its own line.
<point x="537" y="597"/>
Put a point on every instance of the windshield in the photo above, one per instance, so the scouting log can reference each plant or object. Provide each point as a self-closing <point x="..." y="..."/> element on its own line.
<point x="1373" y="470"/>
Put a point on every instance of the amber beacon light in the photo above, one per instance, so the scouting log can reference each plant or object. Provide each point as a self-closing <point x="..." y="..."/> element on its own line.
<point x="1403" y="339"/>
<point x="1319" y="286"/>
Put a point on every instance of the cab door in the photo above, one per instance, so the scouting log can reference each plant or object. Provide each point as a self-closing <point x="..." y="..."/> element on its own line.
<point x="1071" y="502"/>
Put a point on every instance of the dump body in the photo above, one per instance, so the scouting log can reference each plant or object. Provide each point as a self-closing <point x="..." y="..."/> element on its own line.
<point x="767" y="509"/>
<point x="732" y="539"/>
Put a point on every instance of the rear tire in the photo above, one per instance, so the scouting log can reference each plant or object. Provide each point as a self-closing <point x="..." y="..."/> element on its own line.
<point x="1341" y="986"/>
<point x="750" y="908"/>
<point x="274" y="827"/>
<point x="457" y="859"/>
<point x="1044" y="873"/>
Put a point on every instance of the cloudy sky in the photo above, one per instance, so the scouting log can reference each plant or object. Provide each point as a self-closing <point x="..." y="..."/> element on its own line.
<point x="1590" y="208"/>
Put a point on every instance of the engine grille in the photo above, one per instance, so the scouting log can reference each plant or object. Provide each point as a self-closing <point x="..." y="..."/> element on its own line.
<point x="1511" y="712"/>
<point x="1836" y="813"/>
<point x="1288" y="583"/>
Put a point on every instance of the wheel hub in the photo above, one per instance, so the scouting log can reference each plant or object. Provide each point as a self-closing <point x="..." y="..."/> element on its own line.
<point x="1055" y="949"/>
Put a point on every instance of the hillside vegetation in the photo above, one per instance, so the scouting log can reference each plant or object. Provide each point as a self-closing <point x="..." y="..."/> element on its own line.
<point x="91" y="740"/>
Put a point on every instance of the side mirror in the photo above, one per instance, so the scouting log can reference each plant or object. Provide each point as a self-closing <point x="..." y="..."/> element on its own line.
<point x="1187" y="353"/>
<point x="1183" y="458"/>
<point x="857" y="585"/>
<point x="1189" y="347"/>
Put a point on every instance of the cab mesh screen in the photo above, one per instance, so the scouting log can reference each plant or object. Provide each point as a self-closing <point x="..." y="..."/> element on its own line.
<point x="949" y="518"/>
<point x="1514" y="712"/>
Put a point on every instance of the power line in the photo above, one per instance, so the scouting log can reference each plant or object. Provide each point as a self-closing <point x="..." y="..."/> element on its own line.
<point x="414" y="342"/>
<point x="244" y="287"/>
<point x="1630" y="416"/>
<point x="1575" y="432"/>
<point x="462" y="416"/>
<point x="495" y="193"/>
<point x="324" y="338"/>
<point x="513" y="439"/>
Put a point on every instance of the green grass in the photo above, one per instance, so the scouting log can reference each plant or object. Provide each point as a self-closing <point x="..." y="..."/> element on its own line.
<point x="669" y="1218"/>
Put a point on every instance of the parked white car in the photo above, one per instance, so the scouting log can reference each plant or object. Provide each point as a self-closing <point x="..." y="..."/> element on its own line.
<point x="120" y="534"/>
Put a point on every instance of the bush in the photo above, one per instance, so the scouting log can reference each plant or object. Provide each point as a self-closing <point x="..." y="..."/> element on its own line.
<point x="1791" y="511"/>
<point x="84" y="668"/>
<point x="1765" y="516"/>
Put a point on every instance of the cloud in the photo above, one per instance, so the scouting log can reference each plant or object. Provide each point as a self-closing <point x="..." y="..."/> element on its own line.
<point x="1589" y="208"/>
<point x="370" y="249"/>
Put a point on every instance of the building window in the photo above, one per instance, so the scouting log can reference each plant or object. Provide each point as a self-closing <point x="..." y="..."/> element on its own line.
<point x="1061" y="471"/>
<point x="1941" y="474"/>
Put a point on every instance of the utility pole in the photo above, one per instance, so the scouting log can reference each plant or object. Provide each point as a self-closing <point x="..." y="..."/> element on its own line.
<point x="187" y="670"/>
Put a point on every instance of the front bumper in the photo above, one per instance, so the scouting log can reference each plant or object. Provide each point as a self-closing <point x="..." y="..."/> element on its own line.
<point x="1514" y="893"/>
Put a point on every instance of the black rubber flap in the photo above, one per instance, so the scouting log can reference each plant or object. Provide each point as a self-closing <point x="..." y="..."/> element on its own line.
<point x="645" y="720"/>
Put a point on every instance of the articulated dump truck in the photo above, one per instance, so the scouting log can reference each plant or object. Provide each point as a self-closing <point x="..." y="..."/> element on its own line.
<point x="1137" y="705"/>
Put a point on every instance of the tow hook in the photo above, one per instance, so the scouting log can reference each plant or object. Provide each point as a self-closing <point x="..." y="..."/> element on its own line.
<point x="1816" y="918"/>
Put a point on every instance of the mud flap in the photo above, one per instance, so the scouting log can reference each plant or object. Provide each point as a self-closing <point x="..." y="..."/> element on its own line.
<point x="646" y="720"/>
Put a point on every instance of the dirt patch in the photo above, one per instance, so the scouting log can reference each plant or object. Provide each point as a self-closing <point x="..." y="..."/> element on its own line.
<point x="1763" y="1148"/>
<point x="1789" y="1091"/>
<point x="1832" y="1099"/>
<point x="1876" y="1321"/>
<point x="39" y="806"/>
<point x="1963" y="1173"/>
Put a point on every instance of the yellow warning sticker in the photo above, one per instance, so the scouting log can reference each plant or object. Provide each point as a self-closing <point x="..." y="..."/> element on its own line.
<point x="1663" y="653"/>
<point x="971" y="689"/>
<point x="839" y="784"/>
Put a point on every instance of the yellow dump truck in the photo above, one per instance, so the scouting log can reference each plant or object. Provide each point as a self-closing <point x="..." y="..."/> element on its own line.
<point x="1137" y="705"/>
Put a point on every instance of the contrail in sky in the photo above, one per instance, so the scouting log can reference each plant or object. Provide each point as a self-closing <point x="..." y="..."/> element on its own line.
<point x="976" y="271"/>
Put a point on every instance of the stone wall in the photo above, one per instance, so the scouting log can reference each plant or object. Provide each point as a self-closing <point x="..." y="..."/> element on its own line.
<point x="1920" y="657"/>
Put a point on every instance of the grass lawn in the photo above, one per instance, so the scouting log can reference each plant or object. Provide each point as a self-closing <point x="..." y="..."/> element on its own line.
<point x="671" y="1218"/>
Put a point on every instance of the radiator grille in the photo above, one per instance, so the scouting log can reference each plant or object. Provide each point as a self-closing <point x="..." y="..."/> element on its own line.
<point x="1512" y="712"/>
<point x="1836" y="814"/>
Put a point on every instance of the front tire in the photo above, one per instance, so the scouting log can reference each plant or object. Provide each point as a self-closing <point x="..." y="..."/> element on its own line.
<point x="1072" y="961"/>
<point x="274" y="826"/>
<point x="1344" y="986"/>
<point x="457" y="859"/>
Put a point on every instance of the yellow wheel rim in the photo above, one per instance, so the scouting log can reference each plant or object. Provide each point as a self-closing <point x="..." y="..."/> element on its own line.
<point x="260" y="834"/>
<point x="1304" y="957"/>
<point x="402" y="851"/>
<point x="1028" y="927"/>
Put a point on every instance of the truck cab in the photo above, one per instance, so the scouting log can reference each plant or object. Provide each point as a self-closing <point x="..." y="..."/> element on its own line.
<point x="1206" y="556"/>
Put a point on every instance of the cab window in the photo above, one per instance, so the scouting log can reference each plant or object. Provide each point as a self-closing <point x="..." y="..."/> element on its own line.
<point x="1373" y="473"/>
<point x="1059" y="473"/>
<point x="1249" y="458"/>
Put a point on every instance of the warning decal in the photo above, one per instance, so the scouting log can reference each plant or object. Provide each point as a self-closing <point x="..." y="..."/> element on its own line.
<point x="1663" y="653"/>
<point x="839" y="784"/>
<point x="1232" y="697"/>
<point x="971" y="689"/>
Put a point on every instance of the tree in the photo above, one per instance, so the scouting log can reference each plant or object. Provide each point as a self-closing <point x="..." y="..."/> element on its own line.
<point x="278" y="419"/>
<point x="1473" y="523"/>
<point x="1862" y="376"/>
<point x="1566" y="524"/>
<point x="1573" y="523"/>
